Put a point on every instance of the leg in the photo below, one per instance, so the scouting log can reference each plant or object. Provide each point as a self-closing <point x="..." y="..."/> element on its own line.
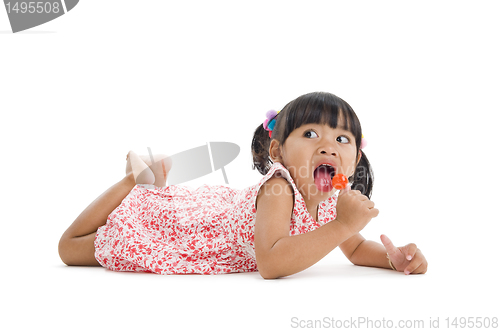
<point x="76" y="246"/>
<point x="142" y="173"/>
<point x="159" y="164"/>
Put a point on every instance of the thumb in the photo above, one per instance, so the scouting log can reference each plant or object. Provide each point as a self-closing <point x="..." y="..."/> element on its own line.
<point x="391" y="249"/>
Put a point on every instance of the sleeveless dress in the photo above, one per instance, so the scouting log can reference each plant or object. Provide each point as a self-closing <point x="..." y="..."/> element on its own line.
<point x="178" y="230"/>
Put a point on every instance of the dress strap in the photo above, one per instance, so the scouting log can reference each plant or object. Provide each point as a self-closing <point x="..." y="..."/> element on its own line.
<point x="302" y="221"/>
<point x="278" y="168"/>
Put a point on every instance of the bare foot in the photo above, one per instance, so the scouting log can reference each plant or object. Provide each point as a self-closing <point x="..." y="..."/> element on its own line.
<point x="142" y="173"/>
<point x="158" y="168"/>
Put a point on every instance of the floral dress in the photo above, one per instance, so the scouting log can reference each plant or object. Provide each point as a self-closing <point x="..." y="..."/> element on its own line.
<point x="178" y="230"/>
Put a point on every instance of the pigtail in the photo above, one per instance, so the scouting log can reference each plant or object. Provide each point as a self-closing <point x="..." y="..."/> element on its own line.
<point x="362" y="179"/>
<point x="260" y="150"/>
<point x="316" y="107"/>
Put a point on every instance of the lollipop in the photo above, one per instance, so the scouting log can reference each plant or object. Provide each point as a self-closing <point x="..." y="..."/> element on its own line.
<point x="339" y="181"/>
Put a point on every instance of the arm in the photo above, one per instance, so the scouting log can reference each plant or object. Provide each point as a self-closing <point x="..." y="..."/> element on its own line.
<point x="279" y="254"/>
<point x="364" y="252"/>
<point x="407" y="259"/>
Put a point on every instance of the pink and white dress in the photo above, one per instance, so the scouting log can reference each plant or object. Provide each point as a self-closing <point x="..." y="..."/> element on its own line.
<point x="178" y="230"/>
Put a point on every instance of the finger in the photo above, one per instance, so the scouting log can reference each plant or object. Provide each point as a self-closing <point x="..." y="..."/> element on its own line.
<point x="413" y="266"/>
<point x="350" y="192"/>
<point x="422" y="268"/>
<point x="346" y="189"/>
<point x="409" y="250"/>
<point x="370" y="204"/>
<point x="363" y="198"/>
<point x="391" y="249"/>
<point x="417" y="265"/>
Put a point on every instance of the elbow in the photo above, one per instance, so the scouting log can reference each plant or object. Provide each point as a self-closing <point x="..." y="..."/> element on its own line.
<point x="268" y="275"/>
<point x="271" y="265"/>
<point x="267" y="270"/>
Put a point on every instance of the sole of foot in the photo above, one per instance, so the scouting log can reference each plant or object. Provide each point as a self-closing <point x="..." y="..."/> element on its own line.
<point x="147" y="171"/>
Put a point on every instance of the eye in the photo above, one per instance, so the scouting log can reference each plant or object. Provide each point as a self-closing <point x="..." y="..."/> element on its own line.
<point x="343" y="139"/>
<point x="310" y="134"/>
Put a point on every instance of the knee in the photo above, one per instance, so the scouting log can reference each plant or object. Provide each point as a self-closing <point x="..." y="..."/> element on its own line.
<point x="64" y="249"/>
<point x="78" y="251"/>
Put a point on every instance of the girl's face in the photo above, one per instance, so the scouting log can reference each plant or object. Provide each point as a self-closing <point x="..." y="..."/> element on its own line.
<point x="310" y="146"/>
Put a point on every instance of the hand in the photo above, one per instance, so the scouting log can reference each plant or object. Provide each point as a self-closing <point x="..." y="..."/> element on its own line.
<point x="354" y="210"/>
<point x="407" y="259"/>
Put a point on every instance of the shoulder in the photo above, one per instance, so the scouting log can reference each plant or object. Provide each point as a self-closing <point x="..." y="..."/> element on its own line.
<point x="276" y="190"/>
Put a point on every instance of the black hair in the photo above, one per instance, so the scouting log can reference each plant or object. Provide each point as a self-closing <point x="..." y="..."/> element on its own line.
<point x="320" y="108"/>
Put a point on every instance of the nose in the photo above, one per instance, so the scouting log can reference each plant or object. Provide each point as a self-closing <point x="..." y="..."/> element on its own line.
<point x="328" y="150"/>
<point x="327" y="146"/>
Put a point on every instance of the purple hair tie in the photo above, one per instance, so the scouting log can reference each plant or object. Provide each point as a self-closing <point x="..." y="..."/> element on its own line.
<point x="270" y="121"/>
<point x="269" y="116"/>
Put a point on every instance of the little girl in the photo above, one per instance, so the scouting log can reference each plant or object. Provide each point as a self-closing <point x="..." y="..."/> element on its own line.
<point x="284" y="224"/>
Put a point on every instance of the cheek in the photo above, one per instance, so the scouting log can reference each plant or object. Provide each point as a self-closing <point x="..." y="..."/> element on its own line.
<point x="352" y="163"/>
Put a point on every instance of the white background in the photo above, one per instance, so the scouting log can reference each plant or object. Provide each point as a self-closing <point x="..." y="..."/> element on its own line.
<point x="77" y="93"/>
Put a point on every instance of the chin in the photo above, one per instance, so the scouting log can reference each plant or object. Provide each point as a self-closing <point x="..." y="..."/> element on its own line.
<point x="313" y="193"/>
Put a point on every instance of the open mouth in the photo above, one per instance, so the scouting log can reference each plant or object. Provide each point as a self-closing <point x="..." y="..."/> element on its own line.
<point x="323" y="175"/>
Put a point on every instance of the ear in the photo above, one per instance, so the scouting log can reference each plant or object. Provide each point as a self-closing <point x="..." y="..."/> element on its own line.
<point x="275" y="151"/>
<point x="359" y="156"/>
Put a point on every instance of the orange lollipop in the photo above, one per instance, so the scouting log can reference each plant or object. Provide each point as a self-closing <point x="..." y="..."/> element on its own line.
<point x="339" y="181"/>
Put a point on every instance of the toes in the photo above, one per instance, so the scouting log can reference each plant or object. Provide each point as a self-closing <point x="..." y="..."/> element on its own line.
<point x="147" y="171"/>
<point x="128" y="167"/>
<point x="156" y="158"/>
